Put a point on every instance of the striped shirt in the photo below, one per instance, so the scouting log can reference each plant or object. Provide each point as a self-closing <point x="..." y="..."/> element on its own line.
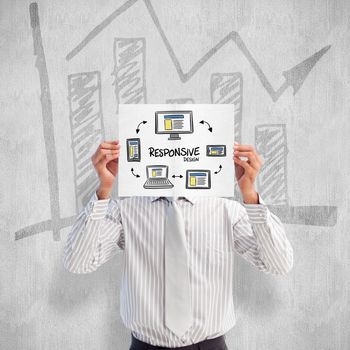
<point x="215" y="228"/>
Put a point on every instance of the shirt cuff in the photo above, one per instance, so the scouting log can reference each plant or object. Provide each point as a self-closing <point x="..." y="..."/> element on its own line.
<point x="257" y="213"/>
<point x="97" y="208"/>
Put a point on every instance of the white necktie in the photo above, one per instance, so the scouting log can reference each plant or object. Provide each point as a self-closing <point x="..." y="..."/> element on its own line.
<point x="178" y="308"/>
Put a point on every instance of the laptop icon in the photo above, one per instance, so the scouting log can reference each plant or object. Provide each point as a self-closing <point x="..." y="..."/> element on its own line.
<point x="157" y="177"/>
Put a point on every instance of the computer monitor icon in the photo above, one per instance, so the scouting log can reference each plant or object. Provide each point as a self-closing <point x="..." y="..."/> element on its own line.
<point x="157" y="177"/>
<point x="174" y="123"/>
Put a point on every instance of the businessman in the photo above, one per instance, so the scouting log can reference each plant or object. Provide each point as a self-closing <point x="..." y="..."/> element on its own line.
<point x="178" y="253"/>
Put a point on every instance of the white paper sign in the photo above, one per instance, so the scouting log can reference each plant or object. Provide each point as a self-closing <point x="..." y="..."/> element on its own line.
<point x="176" y="150"/>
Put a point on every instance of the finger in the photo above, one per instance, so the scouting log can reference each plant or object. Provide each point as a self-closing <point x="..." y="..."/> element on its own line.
<point x="98" y="155"/>
<point x="240" y="147"/>
<point x="253" y="158"/>
<point x="102" y="155"/>
<point x="101" y="166"/>
<point x="256" y="155"/>
<point x="111" y="141"/>
<point x="109" y="145"/>
<point x="243" y="164"/>
<point x="110" y="157"/>
<point x="250" y="155"/>
<point x="248" y="148"/>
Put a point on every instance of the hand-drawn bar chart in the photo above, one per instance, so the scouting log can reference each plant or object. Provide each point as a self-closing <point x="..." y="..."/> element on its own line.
<point x="228" y="88"/>
<point x="87" y="130"/>
<point x="293" y="77"/>
<point x="130" y="85"/>
<point x="271" y="143"/>
<point x="130" y="70"/>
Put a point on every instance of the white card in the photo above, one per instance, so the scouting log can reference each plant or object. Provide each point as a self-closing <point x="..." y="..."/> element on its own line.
<point x="176" y="150"/>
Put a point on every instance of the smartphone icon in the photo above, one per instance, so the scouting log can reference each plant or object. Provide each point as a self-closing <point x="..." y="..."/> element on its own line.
<point x="133" y="147"/>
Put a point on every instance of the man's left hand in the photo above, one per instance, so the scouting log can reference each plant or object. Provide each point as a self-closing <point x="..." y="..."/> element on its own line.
<point x="247" y="171"/>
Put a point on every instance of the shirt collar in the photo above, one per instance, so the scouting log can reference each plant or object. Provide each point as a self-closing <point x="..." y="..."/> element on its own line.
<point x="190" y="199"/>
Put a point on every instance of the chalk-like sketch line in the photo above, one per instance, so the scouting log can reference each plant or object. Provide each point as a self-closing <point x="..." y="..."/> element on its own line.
<point x="271" y="143"/>
<point x="129" y="56"/>
<point x="180" y="101"/>
<point x="313" y="215"/>
<point x="100" y="27"/>
<point x="43" y="226"/>
<point x="309" y="215"/>
<point x="46" y="107"/>
<point x="87" y="129"/>
<point x="85" y="111"/>
<point x="294" y="77"/>
<point x="228" y="88"/>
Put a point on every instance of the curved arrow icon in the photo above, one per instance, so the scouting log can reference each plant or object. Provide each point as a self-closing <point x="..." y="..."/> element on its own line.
<point x="209" y="127"/>
<point x="132" y="171"/>
<point x="138" y="126"/>
<point x="217" y="172"/>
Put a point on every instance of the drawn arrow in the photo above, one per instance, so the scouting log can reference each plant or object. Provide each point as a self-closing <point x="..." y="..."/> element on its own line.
<point x="180" y="176"/>
<point x="294" y="77"/>
<point x="209" y="127"/>
<point x="138" y="126"/>
<point x="217" y="172"/>
<point x="132" y="171"/>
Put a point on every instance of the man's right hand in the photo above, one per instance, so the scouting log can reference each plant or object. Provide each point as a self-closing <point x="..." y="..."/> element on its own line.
<point x="105" y="161"/>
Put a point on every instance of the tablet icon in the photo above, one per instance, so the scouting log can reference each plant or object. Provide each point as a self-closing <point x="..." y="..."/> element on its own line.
<point x="174" y="123"/>
<point x="198" y="179"/>
<point x="216" y="150"/>
<point x="157" y="177"/>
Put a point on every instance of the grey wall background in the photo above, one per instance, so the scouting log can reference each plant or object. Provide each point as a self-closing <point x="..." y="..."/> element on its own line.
<point x="65" y="66"/>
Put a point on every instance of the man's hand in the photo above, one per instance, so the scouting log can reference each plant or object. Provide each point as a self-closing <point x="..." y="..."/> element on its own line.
<point x="247" y="171"/>
<point x="105" y="161"/>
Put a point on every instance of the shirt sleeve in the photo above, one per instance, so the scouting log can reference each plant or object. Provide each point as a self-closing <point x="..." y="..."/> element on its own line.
<point x="260" y="238"/>
<point x="95" y="236"/>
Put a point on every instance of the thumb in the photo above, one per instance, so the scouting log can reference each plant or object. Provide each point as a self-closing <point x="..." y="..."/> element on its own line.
<point x="106" y="159"/>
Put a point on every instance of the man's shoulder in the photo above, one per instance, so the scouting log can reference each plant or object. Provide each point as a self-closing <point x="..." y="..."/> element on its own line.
<point x="227" y="202"/>
<point x="133" y="199"/>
